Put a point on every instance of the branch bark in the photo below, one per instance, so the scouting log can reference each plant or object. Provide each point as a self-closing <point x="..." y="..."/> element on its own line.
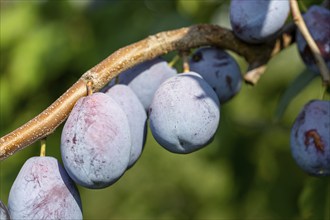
<point x="156" y="45"/>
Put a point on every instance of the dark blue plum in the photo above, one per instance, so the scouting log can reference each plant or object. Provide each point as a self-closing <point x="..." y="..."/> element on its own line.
<point x="310" y="138"/>
<point x="317" y="20"/>
<point x="43" y="190"/>
<point x="184" y="114"/>
<point x="96" y="141"/>
<point x="219" y="70"/>
<point x="257" y="21"/>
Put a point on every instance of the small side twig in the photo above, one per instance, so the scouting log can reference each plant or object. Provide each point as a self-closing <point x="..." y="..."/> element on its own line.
<point x="185" y="55"/>
<point x="299" y="21"/>
<point x="254" y="73"/>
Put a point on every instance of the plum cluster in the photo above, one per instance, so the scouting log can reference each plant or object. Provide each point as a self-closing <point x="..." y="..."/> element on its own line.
<point x="259" y="21"/>
<point x="105" y="133"/>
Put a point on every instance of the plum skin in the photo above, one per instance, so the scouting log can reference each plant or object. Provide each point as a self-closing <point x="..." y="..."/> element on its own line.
<point x="257" y="21"/>
<point x="96" y="141"/>
<point x="310" y="138"/>
<point x="145" y="78"/>
<point x="219" y="70"/>
<point x="136" y="115"/>
<point x="317" y="21"/>
<point x="43" y="190"/>
<point x="184" y="114"/>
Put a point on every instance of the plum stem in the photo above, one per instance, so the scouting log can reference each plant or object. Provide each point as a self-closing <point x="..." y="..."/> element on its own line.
<point x="299" y="21"/>
<point x="43" y="147"/>
<point x="89" y="85"/>
<point x="174" y="60"/>
<point x="185" y="55"/>
<point x="323" y="92"/>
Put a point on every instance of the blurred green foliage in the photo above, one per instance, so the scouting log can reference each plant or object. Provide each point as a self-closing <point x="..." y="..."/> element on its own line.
<point x="246" y="173"/>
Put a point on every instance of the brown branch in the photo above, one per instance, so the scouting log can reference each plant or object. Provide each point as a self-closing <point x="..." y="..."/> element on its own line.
<point x="181" y="39"/>
<point x="299" y="21"/>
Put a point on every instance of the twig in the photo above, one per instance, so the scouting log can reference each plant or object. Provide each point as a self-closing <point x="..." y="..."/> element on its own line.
<point x="254" y="73"/>
<point x="299" y="21"/>
<point x="159" y="44"/>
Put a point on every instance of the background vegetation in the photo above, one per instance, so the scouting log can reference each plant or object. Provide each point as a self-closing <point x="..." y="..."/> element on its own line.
<point x="246" y="173"/>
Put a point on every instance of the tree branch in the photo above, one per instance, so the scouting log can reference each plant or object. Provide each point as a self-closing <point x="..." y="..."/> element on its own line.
<point x="299" y="21"/>
<point x="156" y="45"/>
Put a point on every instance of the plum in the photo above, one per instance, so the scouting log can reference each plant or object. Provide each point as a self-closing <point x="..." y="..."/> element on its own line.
<point x="184" y="113"/>
<point x="96" y="141"/>
<point x="317" y="21"/>
<point x="43" y="190"/>
<point x="4" y="214"/>
<point x="145" y="78"/>
<point x="219" y="70"/>
<point x="257" y="21"/>
<point x="137" y="118"/>
<point x="310" y="138"/>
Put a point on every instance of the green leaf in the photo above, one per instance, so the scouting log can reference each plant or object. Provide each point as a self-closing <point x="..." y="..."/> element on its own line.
<point x="315" y="198"/>
<point x="296" y="86"/>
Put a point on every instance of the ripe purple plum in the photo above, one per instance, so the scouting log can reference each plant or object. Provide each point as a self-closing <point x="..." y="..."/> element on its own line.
<point x="317" y="21"/>
<point x="310" y="138"/>
<point x="257" y="21"/>
<point x="145" y="78"/>
<point x="96" y="141"/>
<point x="4" y="214"/>
<point x="184" y="114"/>
<point x="43" y="190"/>
<point x="137" y="118"/>
<point x="219" y="70"/>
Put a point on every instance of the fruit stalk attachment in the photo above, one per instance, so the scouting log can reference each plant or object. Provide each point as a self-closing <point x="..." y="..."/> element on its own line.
<point x="43" y="147"/>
